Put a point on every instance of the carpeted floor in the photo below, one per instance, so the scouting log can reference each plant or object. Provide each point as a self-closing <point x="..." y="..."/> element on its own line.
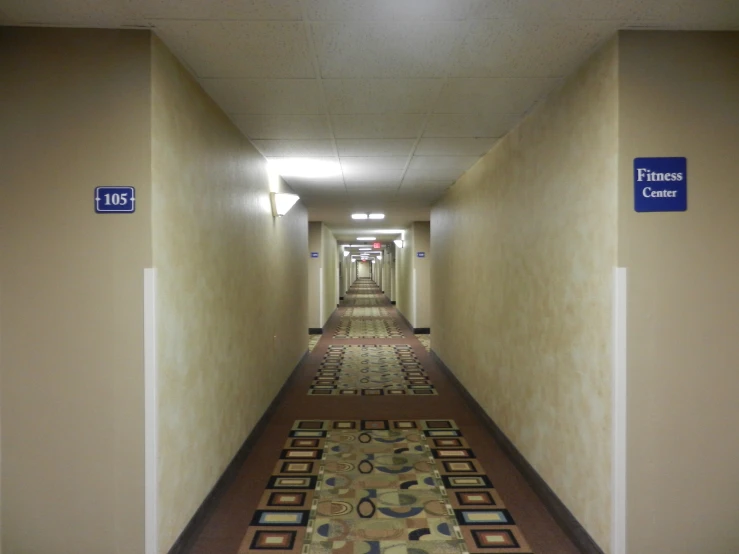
<point x="381" y="473"/>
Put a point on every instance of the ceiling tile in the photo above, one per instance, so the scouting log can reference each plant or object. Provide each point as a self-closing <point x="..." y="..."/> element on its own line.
<point x="269" y="96"/>
<point x="470" y="125"/>
<point x="82" y="13"/>
<point x="387" y="176"/>
<point x="454" y="146"/>
<point x="415" y="185"/>
<point x="523" y="48"/>
<point x="372" y="185"/>
<point x="456" y="163"/>
<point x="545" y="9"/>
<point x="375" y="147"/>
<point x="380" y="96"/>
<point x="294" y="148"/>
<point x="377" y="126"/>
<point x="353" y="164"/>
<point x="262" y="49"/>
<point x="492" y="95"/>
<point x="219" y="9"/>
<point x="432" y="174"/>
<point x="680" y="14"/>
<point x="283" y="126"/>
<point x="389" y="10"/>
<point x="388" y="49"/>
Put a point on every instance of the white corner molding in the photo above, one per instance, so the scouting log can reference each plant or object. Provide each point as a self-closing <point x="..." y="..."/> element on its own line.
<point x="618" y="485"/>
<point x="151" y="528"/>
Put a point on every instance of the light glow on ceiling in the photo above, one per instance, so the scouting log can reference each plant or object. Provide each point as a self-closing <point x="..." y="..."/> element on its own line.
<point x="305" y="168"/>
<point x="377" y="216"/>
<point x="359" y="216"/>
<point x="366" y="238"/>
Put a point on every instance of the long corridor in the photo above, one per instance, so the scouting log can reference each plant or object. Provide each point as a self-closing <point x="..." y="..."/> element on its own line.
<point x="372" y="449"/>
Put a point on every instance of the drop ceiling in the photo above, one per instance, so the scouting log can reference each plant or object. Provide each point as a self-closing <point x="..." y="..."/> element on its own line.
<point x="405" y="94"/>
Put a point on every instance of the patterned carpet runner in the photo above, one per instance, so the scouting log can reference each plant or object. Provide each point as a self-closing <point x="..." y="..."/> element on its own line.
<point x="381" y="328"/>
<point x="371" y="370"/>
<point x="380" y="487"/>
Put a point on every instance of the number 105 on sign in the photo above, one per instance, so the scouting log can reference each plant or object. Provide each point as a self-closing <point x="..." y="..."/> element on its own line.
<point x="115" y="200"/>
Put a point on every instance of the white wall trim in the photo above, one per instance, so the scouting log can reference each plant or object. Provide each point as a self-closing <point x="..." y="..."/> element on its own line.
<point x="320" y="297"/>
<point x="414" y="298"/>
<point x="618" y="529"/>
<point x="151" y="526"/>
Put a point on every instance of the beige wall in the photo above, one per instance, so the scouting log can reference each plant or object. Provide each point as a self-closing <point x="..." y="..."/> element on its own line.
<point x="330" y="264"/>
<point x="404" y="275"/>
<point x="231" y="316"/>
<point x="682" y="99"/>
<point x="421" y="232"/>
<point x="524" y="246"/>
<point x="75" y="115"/>
<point x="413" y="275"/>
<point x="322" y="291"/>
<point x="315" y="236"/>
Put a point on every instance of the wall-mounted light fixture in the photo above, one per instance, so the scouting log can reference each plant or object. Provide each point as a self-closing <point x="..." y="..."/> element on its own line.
<point x="398" y="243"/>
<point x="346" y="253"/>
<point x="282" y="202"/>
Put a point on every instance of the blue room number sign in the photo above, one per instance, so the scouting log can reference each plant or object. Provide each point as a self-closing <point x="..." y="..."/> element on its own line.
<point x="115" y="200"/>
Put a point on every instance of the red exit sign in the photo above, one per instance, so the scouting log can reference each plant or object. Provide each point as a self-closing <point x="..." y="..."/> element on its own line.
<point x="376" y="245"/>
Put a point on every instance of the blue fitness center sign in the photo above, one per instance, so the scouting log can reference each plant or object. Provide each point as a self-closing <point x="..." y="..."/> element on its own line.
<point x="660" y="184"/>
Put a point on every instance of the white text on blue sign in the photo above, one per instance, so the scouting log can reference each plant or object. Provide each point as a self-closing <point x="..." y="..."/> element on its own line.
<point x="660" y="184"/>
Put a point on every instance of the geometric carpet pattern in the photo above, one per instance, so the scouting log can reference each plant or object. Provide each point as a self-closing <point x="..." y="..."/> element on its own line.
<point x="425" y="340"/>
<point x="312" y="341"/>
<point x="352" y="328"/>
<point x="366" y="312"/>
<point x="371" y="370"/>
<point x="363" y="300"/>
<point x="380" y="487"/>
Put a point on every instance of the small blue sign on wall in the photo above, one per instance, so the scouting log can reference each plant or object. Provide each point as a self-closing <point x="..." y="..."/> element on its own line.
<point x="115" y="200"/>
<point x="421" y="254"/>
<point x="314" y="254"/>
<point x="660" y="184"/>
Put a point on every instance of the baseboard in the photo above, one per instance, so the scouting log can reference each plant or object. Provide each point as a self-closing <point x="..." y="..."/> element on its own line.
<point x="315" y="330"/>
<point x="561" y="514"/>
<point x="192" y="530"/>
<point x="422" y="330"/>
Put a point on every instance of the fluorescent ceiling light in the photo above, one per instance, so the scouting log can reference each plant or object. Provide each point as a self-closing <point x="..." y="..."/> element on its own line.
<point x="386" y="231"/>
<point x="282" y="202"/>
<point x="359" y="216"/>
<point x="398" y="243"/>
<point x="377" y="216"/>
<point x="367" y="248"/>
<point x="306" y="168"/>
<point x="366" y="238"/>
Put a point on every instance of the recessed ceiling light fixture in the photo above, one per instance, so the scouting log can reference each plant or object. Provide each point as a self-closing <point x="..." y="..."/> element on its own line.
<point x="368" y="216"/>
<point x="366" y="238"/>
<point x="368" y="248"/>
<point x="306" y="168"/>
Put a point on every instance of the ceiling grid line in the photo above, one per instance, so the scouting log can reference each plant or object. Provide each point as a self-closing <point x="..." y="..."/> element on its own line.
<point x="469" y="19"/>
<point x="322" y="93"/>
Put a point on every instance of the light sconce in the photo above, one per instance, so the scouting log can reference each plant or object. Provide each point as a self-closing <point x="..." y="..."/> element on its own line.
<point x="282" y="202"/>
<point x="398" y="243"/>
<point x="346" y="253"/>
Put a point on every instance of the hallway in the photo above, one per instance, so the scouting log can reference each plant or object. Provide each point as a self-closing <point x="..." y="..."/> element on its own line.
<point x="326" y="474"/>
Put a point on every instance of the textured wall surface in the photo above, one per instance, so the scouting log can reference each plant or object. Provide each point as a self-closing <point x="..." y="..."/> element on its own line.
<point x="404" y="275"/>
<point x="680" y="97"/>
<point x="524" y="246"/>
<point x="71" y="289"/>
<point x="232" y="303"/>
<point x="422" y="274"/>
<point x="330" y="272"/>
<point x="315" y="230"/>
